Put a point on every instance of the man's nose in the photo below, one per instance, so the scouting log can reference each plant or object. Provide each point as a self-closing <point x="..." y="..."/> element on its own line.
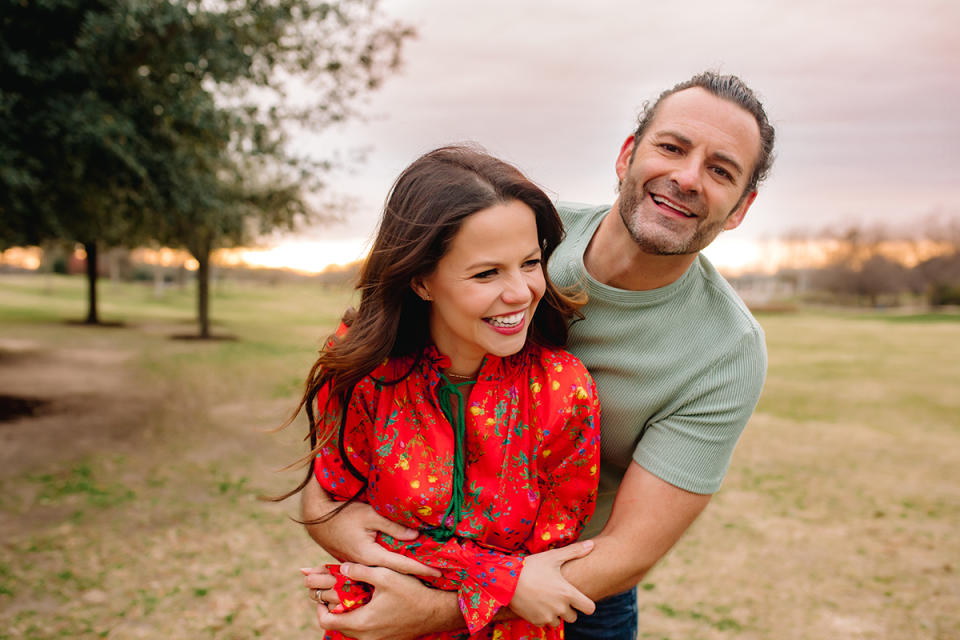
<point x="686" y="175"/>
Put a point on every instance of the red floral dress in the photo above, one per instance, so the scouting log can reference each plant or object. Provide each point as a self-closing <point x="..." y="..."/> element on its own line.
<point x="530" y="453"/>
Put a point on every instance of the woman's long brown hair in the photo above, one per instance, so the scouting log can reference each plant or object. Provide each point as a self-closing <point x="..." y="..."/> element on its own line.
<point x="424" y="210"/>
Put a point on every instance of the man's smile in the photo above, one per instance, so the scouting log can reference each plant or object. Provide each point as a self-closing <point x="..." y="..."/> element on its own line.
<point x="669" y="204"/>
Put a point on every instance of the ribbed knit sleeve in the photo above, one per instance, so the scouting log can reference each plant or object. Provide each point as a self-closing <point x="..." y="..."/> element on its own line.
<point x="691" y="448"/>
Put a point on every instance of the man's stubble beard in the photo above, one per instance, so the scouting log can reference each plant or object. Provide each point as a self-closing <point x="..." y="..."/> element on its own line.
<point x="660" y="236"/>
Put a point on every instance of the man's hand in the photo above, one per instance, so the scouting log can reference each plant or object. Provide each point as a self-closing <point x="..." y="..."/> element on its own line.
<point x="543" y="595"/>
<point x="352" y="534"/>
<point x="401" y="607"/>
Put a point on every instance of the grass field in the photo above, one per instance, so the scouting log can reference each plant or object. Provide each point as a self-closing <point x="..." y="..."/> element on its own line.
<point x="128" y="509"/>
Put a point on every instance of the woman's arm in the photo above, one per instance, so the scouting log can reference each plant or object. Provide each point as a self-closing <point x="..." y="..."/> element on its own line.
<point x="351" y="533"/>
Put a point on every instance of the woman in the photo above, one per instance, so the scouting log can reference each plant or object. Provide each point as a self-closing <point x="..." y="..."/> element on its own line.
<point x="463" y="418"/>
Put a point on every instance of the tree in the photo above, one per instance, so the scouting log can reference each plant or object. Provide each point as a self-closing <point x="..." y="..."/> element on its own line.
<point x="865" y="263"/>
<point x="188" y="108"/>
<point x="68" y="153"/>
<point x="296" y="65"/>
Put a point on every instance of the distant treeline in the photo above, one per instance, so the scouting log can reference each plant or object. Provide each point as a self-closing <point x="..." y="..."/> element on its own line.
<point x="875" y="265"/>
<point x="123" y="264"/>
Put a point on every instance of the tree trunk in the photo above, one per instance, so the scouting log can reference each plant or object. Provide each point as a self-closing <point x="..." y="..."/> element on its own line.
<point x="203" y="290"/>
<point x="91" y="249"/>
<point x="159" y="277"/>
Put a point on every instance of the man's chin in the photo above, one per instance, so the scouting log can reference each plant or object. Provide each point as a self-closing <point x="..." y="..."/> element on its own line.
<point x="660" y="242"/>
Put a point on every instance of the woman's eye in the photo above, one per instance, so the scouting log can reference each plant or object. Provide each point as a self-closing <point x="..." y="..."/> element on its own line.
<point x="529" y="264"/>
<point x="489" y="273"/>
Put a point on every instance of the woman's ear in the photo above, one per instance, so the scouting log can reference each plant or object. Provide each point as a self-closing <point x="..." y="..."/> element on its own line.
<point x="420" y="289"/>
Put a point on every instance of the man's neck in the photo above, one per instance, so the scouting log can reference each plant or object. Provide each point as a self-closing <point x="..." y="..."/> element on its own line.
<point x="614" y="259"/>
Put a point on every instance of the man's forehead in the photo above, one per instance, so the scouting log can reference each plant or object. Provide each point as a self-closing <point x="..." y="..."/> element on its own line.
<point x="709" y="119"/>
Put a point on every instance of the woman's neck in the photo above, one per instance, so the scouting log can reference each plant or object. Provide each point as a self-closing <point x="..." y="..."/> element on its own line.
<point x="464" y="366"/>
<point x="457" y="377"/>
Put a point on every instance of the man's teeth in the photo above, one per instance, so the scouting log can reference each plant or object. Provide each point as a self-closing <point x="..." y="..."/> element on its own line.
<point x="507" y="321"/>
<point x="667" y="203"/>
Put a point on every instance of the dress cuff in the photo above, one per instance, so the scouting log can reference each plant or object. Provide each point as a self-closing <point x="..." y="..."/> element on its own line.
<point x="488" y="585"/>
<point x="352" y="593"/>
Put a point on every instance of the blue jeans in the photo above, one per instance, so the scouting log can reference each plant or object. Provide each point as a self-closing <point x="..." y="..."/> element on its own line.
<point x="614" y="619"/>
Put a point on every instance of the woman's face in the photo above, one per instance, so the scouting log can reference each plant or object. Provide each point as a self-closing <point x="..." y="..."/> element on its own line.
<point x="484" y="291"/>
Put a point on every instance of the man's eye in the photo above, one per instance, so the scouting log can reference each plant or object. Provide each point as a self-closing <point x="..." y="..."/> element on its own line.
<point x="723" y="173"/>
<point x="670" y="148"/>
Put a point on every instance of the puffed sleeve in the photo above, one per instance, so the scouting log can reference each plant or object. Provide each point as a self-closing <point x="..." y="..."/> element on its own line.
<point x="342" y="465"/>
<point x="569" y="457"/>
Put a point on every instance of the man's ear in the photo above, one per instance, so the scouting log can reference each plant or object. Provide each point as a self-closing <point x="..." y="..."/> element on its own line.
<point x="735" y="218"/>
<point x="623" y="160"/>
<point x="420" y="289"/>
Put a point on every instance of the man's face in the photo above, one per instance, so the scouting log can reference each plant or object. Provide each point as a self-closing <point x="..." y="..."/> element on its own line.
<point x="685" y="180"/>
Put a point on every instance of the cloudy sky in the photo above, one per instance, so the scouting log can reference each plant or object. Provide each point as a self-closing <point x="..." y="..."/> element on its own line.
<point x="865" y="97"/>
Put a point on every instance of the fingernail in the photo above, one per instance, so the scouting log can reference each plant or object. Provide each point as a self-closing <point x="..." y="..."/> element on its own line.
<point x="588" y="544"/>
<point x="345" y="569"/>
<point x="306" y="570"/>
<point x="337" y="609"/>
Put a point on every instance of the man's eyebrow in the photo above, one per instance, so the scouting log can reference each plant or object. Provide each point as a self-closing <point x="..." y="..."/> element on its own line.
<point x="722" y="157"/>
<point x="717" y="155"/>
<point x="679" y="137"/>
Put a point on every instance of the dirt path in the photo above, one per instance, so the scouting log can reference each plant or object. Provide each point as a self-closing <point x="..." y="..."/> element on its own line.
<point x="128" y="501"/>
<point x="83" y="400"/>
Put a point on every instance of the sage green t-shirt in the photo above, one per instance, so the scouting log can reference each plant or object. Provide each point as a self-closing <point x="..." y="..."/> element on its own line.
<point x="679" y="369"/>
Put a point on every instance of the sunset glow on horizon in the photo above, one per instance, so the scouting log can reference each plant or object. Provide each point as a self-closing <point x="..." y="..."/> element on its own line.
<point x="733" y="256"/>
<point x="304" y="256"/>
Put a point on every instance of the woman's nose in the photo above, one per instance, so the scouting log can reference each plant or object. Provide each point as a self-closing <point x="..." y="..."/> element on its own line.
<point x="516" y="290"/>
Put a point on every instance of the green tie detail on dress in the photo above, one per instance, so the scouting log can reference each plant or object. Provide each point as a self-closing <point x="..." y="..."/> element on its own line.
<point x="458" y="420"/>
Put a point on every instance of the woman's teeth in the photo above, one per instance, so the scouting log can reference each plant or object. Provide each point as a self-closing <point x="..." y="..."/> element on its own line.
<point x="511" y="320"/>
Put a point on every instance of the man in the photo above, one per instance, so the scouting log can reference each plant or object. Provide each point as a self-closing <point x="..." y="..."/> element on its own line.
<point x="679" y="364"/>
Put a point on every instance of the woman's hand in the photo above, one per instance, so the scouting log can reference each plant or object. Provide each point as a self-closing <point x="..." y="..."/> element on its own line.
<point x="543" y="596"/>
<point x="320" y="584"/>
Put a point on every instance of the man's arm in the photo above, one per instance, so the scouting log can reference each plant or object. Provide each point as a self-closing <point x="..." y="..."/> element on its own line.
<point x="352" y="534"/>
<point x="649" y="516"/>
<point x="401" y="607"/>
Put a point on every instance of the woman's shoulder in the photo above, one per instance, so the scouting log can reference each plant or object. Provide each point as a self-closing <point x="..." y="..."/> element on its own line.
<point x="390" y="371"/>
<point x="557" y="363"/>
<point x="562" y="386"/>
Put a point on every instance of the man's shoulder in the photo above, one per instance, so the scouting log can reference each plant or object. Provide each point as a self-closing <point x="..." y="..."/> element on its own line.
<point x="577" y="214"/>
<point x="728" y="308"/>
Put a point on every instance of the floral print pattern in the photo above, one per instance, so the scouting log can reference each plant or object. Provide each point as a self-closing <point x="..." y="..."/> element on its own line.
<point x="531" y="454"/>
